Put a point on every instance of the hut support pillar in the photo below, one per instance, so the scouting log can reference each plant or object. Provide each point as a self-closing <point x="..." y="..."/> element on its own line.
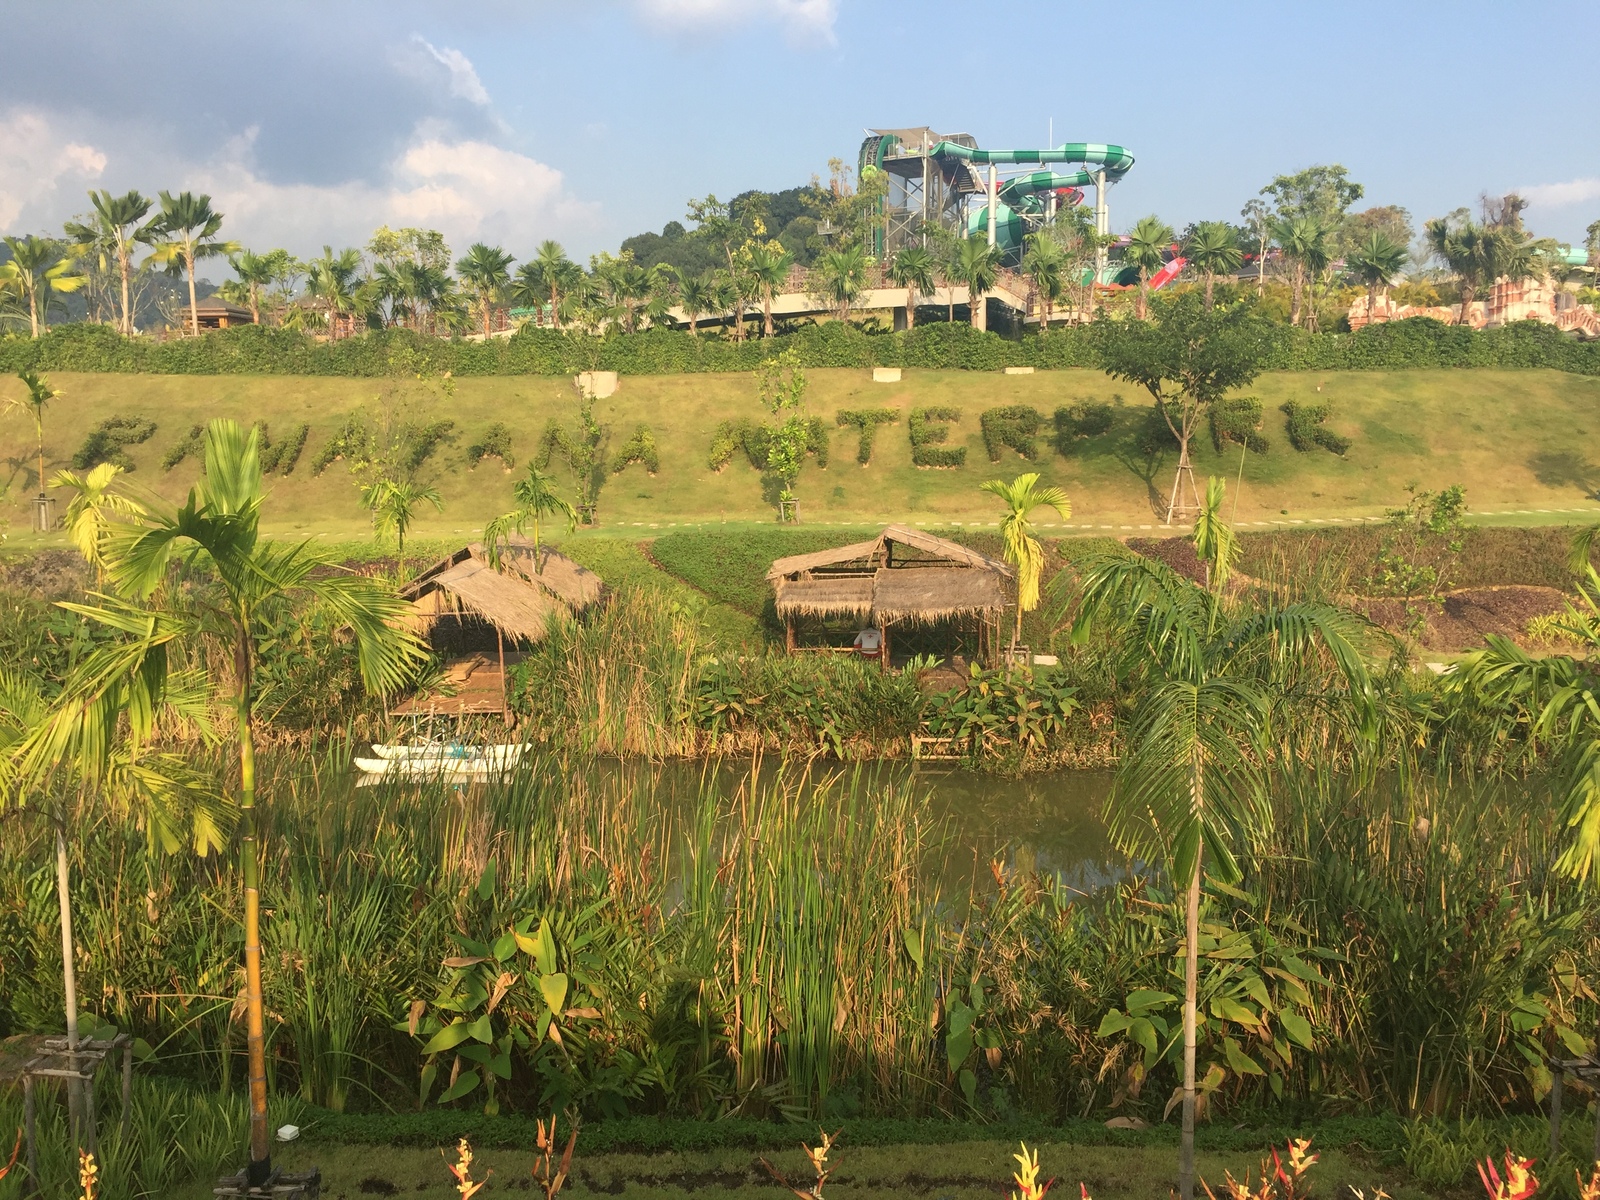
<point x="788" y="636"/>
<point x="883" y="651"/>
<point x="505" y="706"/>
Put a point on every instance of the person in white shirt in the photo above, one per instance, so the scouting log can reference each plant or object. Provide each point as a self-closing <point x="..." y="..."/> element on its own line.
<point x="869" y="642"/>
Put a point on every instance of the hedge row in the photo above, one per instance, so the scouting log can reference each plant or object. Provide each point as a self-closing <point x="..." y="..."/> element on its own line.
<point x="256" y="350"/>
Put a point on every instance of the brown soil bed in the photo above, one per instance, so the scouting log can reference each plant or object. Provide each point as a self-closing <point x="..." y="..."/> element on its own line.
<point x="1467" y="615"/>
<point x="1177" y="552"/>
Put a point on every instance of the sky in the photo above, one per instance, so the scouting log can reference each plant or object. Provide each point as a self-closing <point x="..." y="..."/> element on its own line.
<point x="512" y="121"/>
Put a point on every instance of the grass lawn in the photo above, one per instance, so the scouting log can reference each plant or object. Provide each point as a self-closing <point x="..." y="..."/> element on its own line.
<point x="958" y="1171"/>
<point x="1520" y="441"/>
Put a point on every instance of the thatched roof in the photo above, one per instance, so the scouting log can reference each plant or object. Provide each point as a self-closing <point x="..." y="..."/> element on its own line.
<point x="903" y="574"/>
<point x="516" y="599"/>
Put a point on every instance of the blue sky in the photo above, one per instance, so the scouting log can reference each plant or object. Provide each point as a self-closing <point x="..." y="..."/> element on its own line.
<point x="512" y="122"/>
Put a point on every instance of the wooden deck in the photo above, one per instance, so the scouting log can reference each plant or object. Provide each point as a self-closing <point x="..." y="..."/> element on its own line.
<point x="476" y="687"/>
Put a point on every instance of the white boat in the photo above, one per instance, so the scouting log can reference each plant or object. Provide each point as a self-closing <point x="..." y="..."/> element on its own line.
<point x="504" y="752"/>
<point x="449" y="770"/>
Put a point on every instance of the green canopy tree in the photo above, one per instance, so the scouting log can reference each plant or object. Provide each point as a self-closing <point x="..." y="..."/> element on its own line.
<point x="39" y="268"/>
<point x="912" y="268"/>
<point x="252" y="581"/>
<point x="1214" y="250"/>
<point x="1146" y="251"/>
<point x="1187" y="358"/>
<point x="118" y="225"/>
<point x="1022" y="497"/>
<point x="187" y="229"/>
<point x="1191" y="787"/>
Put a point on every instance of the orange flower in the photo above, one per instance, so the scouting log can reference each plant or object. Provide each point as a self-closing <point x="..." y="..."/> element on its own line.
<point x="1519" y="1182"/>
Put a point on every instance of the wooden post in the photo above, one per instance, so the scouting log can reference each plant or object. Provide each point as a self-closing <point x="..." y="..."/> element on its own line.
<point x="30" y="1132"/>
<point x="127" y="1088"/>
<point x="883" y="647"/>
<point x="505" y="706"/>
<point x="788" y="635"/>
<point x="1555" y="1108"/>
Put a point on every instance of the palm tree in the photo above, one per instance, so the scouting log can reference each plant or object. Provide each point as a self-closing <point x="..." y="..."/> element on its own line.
<point x="769" y="269"/>
<point x="1304" y="242"/>
<point x="39" y="395"/>
<point x="1214" y="541"/>
<point x="977" y="265"/>
<point x="90" y="512"/>
<point x="256" y="581"/>
<point x="1045" y="265"/>
<point x="556" y="271"/>
<point x="333" y="280"/>
<point x="697" y="295"/>
<point x="1376" y="262"/>
<point x="116" y="230"/>
<point x="842" y="275"/>
<point x="536" y="498"/>
<point x="38" y="270"/>
<point x="1193" y="774"/>
<point x="1147" y="252"/>
<point x="1213" y="249"/>
<point x="1021" y="497"/>
<point x="912" y="268"/>
<point x="485" y="271"/>
<point x="1553" y="702"/>
<point x="256" y="271"/>
<point x="394" y="504"/>
<point x="189" y="227"/>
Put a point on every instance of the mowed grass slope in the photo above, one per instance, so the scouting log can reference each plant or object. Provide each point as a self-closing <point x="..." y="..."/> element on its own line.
<point x="1515" y="439"/>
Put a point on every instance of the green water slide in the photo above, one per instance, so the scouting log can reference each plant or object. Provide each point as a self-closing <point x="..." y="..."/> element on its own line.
<point x="1022" y="196"/>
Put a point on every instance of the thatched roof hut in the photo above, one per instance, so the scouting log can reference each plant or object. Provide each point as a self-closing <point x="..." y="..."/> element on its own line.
<point x="516" y="599"/>
<point x="902" y="576"/>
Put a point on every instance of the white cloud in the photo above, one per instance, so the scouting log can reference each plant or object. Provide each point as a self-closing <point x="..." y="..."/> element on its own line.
<point x="464" y="81"/>
<point x="804" y="21"/>
<point x="1562" y="195"/>
<point x="36" y="163"/>
<point x="469" y="190"/>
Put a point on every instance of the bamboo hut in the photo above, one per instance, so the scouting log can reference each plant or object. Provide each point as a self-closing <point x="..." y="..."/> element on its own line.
<point x="465" y="605"/>
<point x="904" y="578"/>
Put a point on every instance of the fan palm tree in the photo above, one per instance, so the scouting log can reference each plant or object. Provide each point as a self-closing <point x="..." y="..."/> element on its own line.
<point x="394" y="505"/>
<point x="1304" y="242"/>
<point x="1022" y="496"/>
<point x="188" y="228"/>
<point x="37" y="270"/>
<point x="1192" y="779"/>
<point x="842" y="276"/>
<point x="1376" y="262"/>
<point x="116" y="230"/>
<point x="1045" y="265"/>
<point x="537" y="498"/>
<point x="1146" y="251"/>
<point x="333" y="279"/>
<point x="92" y="508"/>
<point x="976" y="264"/>
<point x="254" y="582"/>
<point x="485" y="271"/>
<point x="257" y="271"/>
<point x="38" y="395"/>
<point x="1212" y="247"/>
<point x="556" y="272"/>
<point x="1552" y="703"/>
<point x="697" y="295"/>
<point x="769" y="269"/>
<point x="912" y="268"/>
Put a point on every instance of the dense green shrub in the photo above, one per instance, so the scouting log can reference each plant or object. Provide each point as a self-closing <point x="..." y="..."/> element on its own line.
<point x="495" y="443"/>
<point x="257" y="350"/>
<point x="350" y="440"/>
<point x="1013" y="425"/>
<point x="1238" y="420"/>
<point x="866" y="421"/>
<point x="930" y="429"/>
<point x="641" y="449"/>
<point x="285" y="454"/>
<point x="1079" y="421"/>
<point x="191" y="445"/>
<point x="1306" y="429"/>
<point x="106" y="442"/>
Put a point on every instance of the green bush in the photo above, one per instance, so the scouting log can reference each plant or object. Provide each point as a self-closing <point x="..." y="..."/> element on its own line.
<point x="866" y="422"/>
<point x="495" y="443"/>
<point x="1079" y="421"/>
<point x="1014" y="425"/>
<point x="1306" y="430"/>
<point x="930" y="429"/>
<point x="106" y="442"/>
<point x="275" y="456"/>
<point x="641" y="449"/>
<point x="351" y="440"/>
<point x="1238" y="420"/>
<point x="191" y="445"/>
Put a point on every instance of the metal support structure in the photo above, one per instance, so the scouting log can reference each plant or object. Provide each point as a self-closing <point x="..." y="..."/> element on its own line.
<point x="1102" y="224"/>
<point x="993" y="201"/>
<point x="44" y="513"/>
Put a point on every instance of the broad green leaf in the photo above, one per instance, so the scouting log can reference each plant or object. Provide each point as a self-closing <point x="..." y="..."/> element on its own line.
<point x="1144" y="999"/>
<point x="913" y="940"/>
<point x="960" y="1018"/>
<point x="1141" y="1032"/>
<point x="481" y="1029"/>
<point x="1112" y="1022"/>
<point x="969" y="1087"/>
<point x="545" y="950"/>
<point x="956" y="1048"/>
<point x="429" y="1074"/>
<point x="486" y="880"/>
<point x="554" y="990"/>
<point x="448" y="1038"/>
<point x="1297" y="1027"/>
<point x="465" y="1082"/>
<point x="505" y="946"/>
<point x="1230" y="1009"/>
<point x="1241" y="1062"/>
<point x="500" y="1064"/>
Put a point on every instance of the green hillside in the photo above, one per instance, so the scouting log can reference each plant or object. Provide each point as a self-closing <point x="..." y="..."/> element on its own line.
<point x="1517" y="440"/>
